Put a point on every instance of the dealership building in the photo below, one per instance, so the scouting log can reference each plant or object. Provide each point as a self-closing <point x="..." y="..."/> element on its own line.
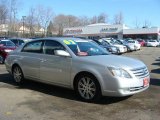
<point x="119" y="31"/>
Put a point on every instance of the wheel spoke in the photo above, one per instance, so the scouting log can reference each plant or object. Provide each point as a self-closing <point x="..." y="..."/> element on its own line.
<point x="81" y="84"/>
<point x="91" y="94"/>
<point x="92" y="89"/>
<point x="84" y="81"/>
<point x="91" y="84"/>
<point x="87" y="81"/>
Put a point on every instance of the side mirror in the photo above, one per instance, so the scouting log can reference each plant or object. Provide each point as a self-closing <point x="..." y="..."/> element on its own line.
<point x="62" y="53"/>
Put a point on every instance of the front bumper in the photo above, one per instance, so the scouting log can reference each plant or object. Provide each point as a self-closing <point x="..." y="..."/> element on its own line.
<point x="125" y="87"/>
<point x="123" y="50"/>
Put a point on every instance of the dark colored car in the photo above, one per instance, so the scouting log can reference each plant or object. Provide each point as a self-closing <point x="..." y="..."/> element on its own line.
<point x="3" y="38"/>
<point x="17" y="41"/>
<point x="109" y="48"/>
<point x="6" y="46"/>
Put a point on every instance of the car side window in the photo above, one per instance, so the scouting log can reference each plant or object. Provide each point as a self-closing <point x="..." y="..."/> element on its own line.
<point x="21" y="42"/>
<point x="33" y="47"/>
<point x="51" y="46"/>
<point x="15" y="41"/>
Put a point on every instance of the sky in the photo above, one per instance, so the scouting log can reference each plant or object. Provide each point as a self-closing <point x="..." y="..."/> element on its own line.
<point x="132" y="10"/>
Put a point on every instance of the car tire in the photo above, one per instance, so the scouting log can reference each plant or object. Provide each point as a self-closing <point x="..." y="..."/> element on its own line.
<point x="18" y="75"/>
<point x="1" y="59"/>
<point x="88" y="88"/>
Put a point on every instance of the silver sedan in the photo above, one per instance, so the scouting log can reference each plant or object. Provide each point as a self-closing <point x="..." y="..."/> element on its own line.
<point x="80" y="65"/>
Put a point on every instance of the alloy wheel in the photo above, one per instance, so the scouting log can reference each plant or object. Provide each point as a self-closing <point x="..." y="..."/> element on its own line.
<point x="87" y="88"/>
<point x="17" y="74"/>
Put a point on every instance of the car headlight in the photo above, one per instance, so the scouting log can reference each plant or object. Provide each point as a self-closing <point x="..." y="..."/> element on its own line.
<point x="119" y="72"/>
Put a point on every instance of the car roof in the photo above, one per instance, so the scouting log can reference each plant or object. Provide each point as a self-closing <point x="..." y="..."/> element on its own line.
<point x="20" y="39"/>
<point x="5" y="40"/>
<point x="65" y="38"/>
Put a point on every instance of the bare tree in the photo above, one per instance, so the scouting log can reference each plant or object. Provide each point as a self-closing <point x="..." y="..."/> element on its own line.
<point x="102" y="18"/>
<point x="72" y="21"/>
<point x="50" y="29"/>
<point x="3" y="12"/>
<point x="84" y="20"/>
<point x="13" y="15"/>
<point x="118" y="18"/>
<point x="146" y="24"/>
<point x="94" y="20"/>
<point x="31" y="21"/>
<point x="44" y="16"/>
<point x="62" y="21"/>
<point x="137" y="23"/>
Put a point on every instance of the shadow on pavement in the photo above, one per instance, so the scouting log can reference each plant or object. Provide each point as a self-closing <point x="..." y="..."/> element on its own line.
<point x="158" y="60"/>
<point x="156" y="63"/>
<point x="155" y="82"/>
<point x="157" y="71"/>
<point x="54" y="90"/>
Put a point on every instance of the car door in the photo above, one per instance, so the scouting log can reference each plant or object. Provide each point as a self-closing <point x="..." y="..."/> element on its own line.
<point x="55" y="69"/>
<point x="30" y="59"/>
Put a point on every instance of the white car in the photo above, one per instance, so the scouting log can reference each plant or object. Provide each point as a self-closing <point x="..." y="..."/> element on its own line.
<point x="135" y="43"/>
<point x="121" y="48"/>
<point x="152" y="43"/>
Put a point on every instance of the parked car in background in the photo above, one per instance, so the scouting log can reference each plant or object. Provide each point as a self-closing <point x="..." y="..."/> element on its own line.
<point x="158" y="42"/>
<point x="135" y="43"/>
<point x="19" y="41"/>
<point x="152" y="43"/>
<point x="80" y="65"/>
<point x="122" y="48"/>
<point x="141" y="42"/>
<point x="6" y="46"/>
<point x="3" y="38"/>
<point x="129" y="46"/>
<point x="107" y="46"/>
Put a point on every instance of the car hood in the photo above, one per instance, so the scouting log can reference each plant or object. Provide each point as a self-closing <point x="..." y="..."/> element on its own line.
<point x="152" y="42"/>
<point x="114" y="61"/>
<point x="119" y="46"/>
<point x="131" y="43"/>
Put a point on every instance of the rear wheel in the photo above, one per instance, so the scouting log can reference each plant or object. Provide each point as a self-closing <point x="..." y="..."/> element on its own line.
<point x="88" y="88"/>
<point x="18" y="74"/>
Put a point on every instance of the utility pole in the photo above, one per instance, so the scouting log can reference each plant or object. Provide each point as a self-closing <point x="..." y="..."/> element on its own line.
<point x="23" y="20"/>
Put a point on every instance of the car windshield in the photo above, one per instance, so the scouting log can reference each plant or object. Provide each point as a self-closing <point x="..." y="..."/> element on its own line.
<point x="131" y="41"/>
<point x="87" y="49"/>
<point x="152" y="41"/>
<point x="117" y="42"/>
<point x="7" y="43"/>
<point x="104" y="43"/>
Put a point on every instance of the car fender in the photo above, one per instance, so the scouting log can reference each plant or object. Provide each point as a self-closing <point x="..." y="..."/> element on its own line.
<point x="91" y="70"/>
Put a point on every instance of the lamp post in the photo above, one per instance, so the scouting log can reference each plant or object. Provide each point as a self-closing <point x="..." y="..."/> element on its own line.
<point x="23" y="20"/>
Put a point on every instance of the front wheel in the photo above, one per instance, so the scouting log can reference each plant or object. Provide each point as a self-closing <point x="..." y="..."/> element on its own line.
<point x="88" y="88"/>
<point x="18" y="75"/>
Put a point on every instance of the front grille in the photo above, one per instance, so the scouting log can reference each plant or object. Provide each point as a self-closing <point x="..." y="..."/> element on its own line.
<point x="140" y="72"/>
